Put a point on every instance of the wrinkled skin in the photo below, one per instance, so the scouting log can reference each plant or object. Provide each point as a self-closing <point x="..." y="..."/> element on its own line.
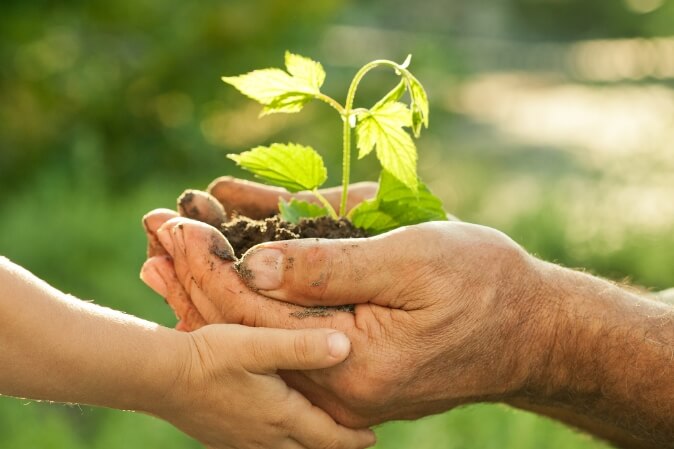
<point x="414" y="352"/>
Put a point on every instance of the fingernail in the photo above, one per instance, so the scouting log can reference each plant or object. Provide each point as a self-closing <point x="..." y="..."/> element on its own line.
<point x="152" y="278"/>
<point x="338" y="345"/>
<point x="264" y="268"/>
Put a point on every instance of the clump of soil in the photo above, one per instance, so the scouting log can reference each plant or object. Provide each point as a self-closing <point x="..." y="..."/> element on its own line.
<point x="243" y="233"/>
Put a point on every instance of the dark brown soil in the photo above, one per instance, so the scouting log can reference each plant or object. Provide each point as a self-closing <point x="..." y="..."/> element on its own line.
<point x="244" y="233"/>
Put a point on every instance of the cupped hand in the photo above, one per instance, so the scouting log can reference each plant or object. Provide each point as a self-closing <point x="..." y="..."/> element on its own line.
<point x="445" y="312"/>
<point x="225" y="197"/>
<point x="228" y="394"/>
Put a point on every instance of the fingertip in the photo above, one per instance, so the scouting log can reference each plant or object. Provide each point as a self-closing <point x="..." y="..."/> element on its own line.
<point x="339" y="345"/>
<point x="201" y="206"/>
<point x="149" y="274"/>
<point x="157" y="217"/>
<point x="265" y="267"/>
<point x="219" y="182"/>
<point x="165" y="238"/>
<point x="166" y="233"/>
<point x="366" y="438"/>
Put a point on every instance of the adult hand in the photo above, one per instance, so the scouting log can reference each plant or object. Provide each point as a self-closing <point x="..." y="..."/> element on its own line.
<point x="432" y="328"/>
<point x="225" y="197"/>
<point x="447" y="313"/>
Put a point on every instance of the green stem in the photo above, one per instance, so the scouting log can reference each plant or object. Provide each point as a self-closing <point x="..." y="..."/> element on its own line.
<point x="346" y="129"/>
<point x="329" y="100"/>
<point x="325" y="203"/>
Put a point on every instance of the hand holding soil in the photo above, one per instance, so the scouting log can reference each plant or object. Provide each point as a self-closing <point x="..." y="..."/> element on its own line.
<point x="445" y="314"/>
<point x="398" y="368"/>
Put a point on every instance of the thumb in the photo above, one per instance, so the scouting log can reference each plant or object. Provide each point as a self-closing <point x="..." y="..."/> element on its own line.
<point x="268" y="350"/>
<point x="326" y="272"/>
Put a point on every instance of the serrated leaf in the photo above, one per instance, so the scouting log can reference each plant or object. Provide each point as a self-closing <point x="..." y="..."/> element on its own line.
<point x="266" y="85"/>
<point x="289" y="103"/>
<point x="292" y="166"/>
<point x="394" y="95"/>
<point x="396" y="205"/>
<point x="294" y="210"/>
<point x="370" y="218"/>
<point x="280" y="91"/>
<point x="382" y="128"/>
<point x="308" y="70"/>
<point x="418" y="105"/>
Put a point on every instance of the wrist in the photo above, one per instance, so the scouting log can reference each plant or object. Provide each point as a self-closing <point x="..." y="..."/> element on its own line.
<point x="567" y="322"/>
<point x="609" y="361"/>
<point x="158" y="388"/>
<point x="526" y="322"/>
<point x="591" y="330"/>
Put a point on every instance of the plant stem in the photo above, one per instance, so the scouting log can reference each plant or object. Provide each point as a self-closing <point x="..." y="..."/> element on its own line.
<point x="346" y="129"/>
<point x="332" y="102"/>
<point x="325" y="203"/>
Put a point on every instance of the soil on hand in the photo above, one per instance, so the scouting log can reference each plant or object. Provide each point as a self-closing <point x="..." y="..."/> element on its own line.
<point x="244" y="233"/>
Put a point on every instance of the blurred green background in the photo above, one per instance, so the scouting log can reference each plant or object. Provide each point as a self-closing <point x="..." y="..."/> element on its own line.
<point x="552" y="120"/>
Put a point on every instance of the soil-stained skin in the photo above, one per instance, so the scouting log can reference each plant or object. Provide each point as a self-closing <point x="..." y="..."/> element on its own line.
<point x="243" y="233"/>
<point x="322" y="311"/>
<point x="222" y="250"/>
<point x="201" y="206"/>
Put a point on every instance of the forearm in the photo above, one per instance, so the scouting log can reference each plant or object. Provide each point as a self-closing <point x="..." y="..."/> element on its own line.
<point x="58" y="348"/>
<point x="610" y="364"/>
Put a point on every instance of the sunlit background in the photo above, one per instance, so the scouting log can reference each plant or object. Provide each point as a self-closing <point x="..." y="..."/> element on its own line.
<point x="552" y="120"/>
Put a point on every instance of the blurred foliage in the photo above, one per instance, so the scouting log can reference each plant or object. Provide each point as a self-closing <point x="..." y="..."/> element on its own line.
<point x="109" y="109"/>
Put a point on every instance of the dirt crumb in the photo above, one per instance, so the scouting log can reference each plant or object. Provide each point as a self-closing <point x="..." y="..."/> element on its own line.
<point x="321" y="311"/>
<point x="245" y="273"/>
<point x="243" y="233"/>
<point x="220" y="250"/>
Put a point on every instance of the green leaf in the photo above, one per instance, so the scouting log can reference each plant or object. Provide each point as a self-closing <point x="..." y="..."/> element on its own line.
<point x="280" y="91"/>
<point x="305" y="69"/>
<point x="287" y="103"/>
<point x="370" y="218"/>
<point x="295" y="210"/>
<point x="418" y="104"/>
<point x="396" y="205"/>
<point x="382" y="128"/>
<point x="292" y="166"/>
<point x="394" y="95"/>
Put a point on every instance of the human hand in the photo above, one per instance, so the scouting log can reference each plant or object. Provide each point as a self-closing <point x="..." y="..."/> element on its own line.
<point x="224" y="197"/>
<point x="445" y="312"/>
<point x="227" y="393"/>
<point x="563" y="336"/>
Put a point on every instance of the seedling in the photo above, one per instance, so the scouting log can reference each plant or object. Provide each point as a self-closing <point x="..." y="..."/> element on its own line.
<point x="386" y="128"/>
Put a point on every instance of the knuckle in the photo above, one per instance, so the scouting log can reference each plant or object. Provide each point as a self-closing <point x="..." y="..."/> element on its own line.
<point x="282" y="420"/>
<point x="319" y="267"/>
<point x="332" y="442"/>
<point x="249" y="349"/>
<point x="303" y="347"/>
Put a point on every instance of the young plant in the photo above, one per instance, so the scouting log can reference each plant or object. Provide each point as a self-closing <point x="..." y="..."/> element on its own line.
<point x="402" y="199"/>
